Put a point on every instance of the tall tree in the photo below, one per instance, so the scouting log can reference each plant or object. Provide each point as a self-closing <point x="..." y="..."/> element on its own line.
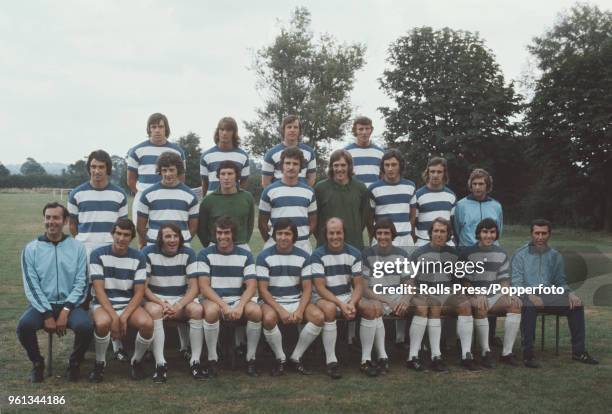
<point x="451" y="100"/>
<point x="119" y="174"/>
<point x="75" y="174"/>
<point x="32" y="167"/>
<point x="311" y="78"/>
<point x="191" y="145"/>
<point x="570" y="116"/>
<point x="4" y="172"/>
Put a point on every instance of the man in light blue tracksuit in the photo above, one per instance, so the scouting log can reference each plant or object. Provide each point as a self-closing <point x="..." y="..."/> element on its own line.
<point x="536" y="264"/>
<point x="55" y="282"/>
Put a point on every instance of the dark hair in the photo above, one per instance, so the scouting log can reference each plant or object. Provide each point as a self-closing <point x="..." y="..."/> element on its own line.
<point x="283" y="223"/>
<point x="124" y="224"/>
<point x="101" y="156"/>
<point x="55" y="204"/>
<point x="361" y="120"/>
<point x="172" y="226"/>
<point x="481" y="173"/>
<point x="436" y="161"/>
<point x="154" y="120"/>
<point x="287" y="120"/>
<point x="226" y="222"/>
<point x="541" y="222"/>
<point x="447" y="223"/>
<point x="169" y="159"/>
<point x="334" y="218"/>
<point x="336" y="156"/>
<point x="228" y="123"/>
<point x="229" y="164"/>
<point x="294" y="152"/>
<point x="386" y="223"/>
<point x="392" y="153"/>
<point x="487" y="223"/>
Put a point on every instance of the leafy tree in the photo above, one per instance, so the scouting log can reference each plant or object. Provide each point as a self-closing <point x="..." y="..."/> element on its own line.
<point x="570" y="117"/>
<point x="306" y="77"/>
<point x="32" y="167"/>
<point x="75" y="174"/>
<point x="119" y="173"/>
<point x="4" y="172"/>
<point x="191" y="145"/>
<point x="451" y="100"/>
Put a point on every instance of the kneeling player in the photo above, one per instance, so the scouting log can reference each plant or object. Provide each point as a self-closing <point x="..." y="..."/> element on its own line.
<point x="228" y="283"/>
<point x="285" y="286"/>
<point x="437" y="280"/>
<point x="118" y="273"/>
<point x="172" y="286"/>
<point x="496" y="266"/>
<point x="336" y="271"/>
<point x="373" y="306"/>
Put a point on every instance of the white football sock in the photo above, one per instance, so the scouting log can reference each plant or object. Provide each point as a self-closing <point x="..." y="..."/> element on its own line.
<point x="140" y="347"/>
<point x="307" y="336"/>
<point x="465" y="329"/>
<point x="211" y="334"/>
<point x="512" y="325"/>
<point x="434" y="331"/>
<point x="400" y="331"/>
<point x="367" y="331"/>
<point x="482" y="331"/>
<point x="159" y="338"/>
<point x="101" y="345"/>
<point x="417" y="332"/>
<point x="379" y="339"/>
<point x="183" y="333"/>
<point x="196" y="339"/>
<point x="330" y="333"/>
<point x="275" y="340"/>
<point x="253" y="333"/>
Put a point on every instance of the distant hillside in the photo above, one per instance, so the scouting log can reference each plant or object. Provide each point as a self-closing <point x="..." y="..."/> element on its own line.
<point x="53" y="168"/>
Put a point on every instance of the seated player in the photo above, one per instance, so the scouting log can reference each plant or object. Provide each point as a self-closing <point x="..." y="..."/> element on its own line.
<point x="285" y="286"/>
<point x="496" y="270"/>
<point x="434" y="297"/>
<point x="228" y="283"/>
<point x="376" y="305"/>
<point x="118" y="273"/>
<point x="336" y="271"/>
<point x="171" y="290"/>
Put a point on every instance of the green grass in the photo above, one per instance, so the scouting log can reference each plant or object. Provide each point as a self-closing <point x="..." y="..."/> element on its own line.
<point x="560" y="385"/>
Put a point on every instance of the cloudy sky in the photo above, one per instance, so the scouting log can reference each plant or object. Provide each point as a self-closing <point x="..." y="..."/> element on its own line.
<point x="77" y="76"/>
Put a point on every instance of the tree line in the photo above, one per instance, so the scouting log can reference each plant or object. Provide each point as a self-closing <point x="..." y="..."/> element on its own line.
<point x="550" y="154"/>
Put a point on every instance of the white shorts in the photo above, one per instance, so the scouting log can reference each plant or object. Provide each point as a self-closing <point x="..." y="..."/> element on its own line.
<point x="172" y="300"/>
<point x="96" y="306"/>
<point x="492" y="300"/>
<point x="302" y="244"/>
<point x="345" y="298"/>
<point x="290" y="307"/>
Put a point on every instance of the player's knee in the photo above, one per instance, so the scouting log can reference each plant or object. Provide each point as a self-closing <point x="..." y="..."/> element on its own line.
<point x="317" y="317"/>
<point x="421" y="311"/>
<point x="253" y="313"/>
<point x="479" y="313"/>
<point x="146" y="328"/>
<point x="464" y="309"/>
<point x="368" y="312"/>
<point x="194" y="311"/>
<point x="155" y="310"/>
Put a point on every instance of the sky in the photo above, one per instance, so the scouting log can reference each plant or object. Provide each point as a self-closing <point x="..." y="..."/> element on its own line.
<point x="79" y="76"/>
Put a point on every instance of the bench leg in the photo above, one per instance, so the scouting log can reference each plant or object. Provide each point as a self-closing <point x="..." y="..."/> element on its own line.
<point x="557" y="336"/>
<point x="50" y="355"/>
<point x="542" y="339"/>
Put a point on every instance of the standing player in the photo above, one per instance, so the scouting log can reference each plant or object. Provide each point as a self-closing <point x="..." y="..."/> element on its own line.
<point x="289" y="198"/>
<point x="171" y="290"/>
<point x="432" y="200"/>
<point x="227" y="200"/>
<point x="226" y="148"/>
<point x="272" y="166"/>
<point x="366" y="155"/>
<point x="342" y="196"/>
<point x="229" y="286"/>
<point x="285" y="286"/>
<point x="390" y="198"/>
<point x="383" y="303"/>
<point x="94" y="207"/>
<point x="496" y="271"/>
<point x="142" y="158"/>
<point x="437" y="275"/>
<point x="168" y="200"/>
<point x="336" y="271"/>
<point x="118" y="273"/>
<point x="55" y="284"/>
